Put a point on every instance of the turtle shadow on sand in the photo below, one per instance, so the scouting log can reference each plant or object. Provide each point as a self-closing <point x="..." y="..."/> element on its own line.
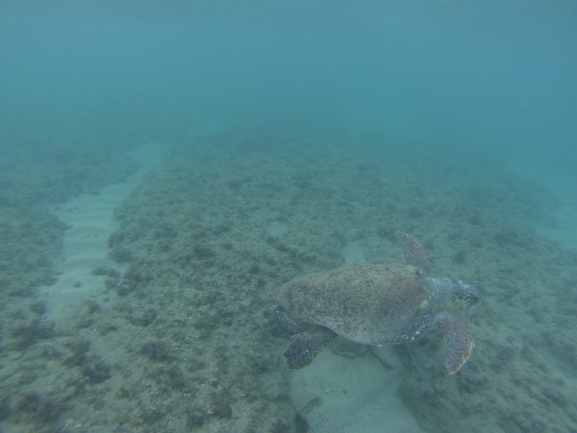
<point x="375" y="304"/>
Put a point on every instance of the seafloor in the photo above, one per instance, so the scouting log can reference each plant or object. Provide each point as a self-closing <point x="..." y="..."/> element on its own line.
<point x="180" y="337"/>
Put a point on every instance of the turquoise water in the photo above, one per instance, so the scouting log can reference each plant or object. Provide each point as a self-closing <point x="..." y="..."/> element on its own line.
<point x="165" y="166"/>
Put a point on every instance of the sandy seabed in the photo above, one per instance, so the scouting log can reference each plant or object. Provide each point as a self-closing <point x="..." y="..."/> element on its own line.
<point x="160" y="316"/>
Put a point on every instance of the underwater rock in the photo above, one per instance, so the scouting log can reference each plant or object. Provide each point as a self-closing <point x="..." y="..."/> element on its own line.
<point x="195" y="419"/>
<point x="156" y="349"/>
<point x="42" y="408"/>
<point x="96" y="370"/>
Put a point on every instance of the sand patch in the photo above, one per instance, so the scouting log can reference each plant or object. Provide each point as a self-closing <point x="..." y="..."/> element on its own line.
<point x="91" y="221"/>
<point x="342" y="395"/>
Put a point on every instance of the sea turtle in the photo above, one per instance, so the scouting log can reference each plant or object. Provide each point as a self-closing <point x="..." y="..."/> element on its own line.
<point x="375" y="304"/>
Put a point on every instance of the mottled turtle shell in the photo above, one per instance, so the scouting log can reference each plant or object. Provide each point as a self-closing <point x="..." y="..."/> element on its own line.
<point x="370" y="303"/>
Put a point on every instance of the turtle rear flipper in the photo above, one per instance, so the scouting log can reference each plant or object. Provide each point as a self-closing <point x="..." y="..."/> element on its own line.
<point x="306" y="345"/>
<point x="458" y="339"/>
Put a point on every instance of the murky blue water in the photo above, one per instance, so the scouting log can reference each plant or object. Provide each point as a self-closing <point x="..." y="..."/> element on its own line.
<point x="455" y="85"/>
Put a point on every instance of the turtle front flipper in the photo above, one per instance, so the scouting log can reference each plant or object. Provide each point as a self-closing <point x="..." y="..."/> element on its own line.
<point x="413" y="251"/>
<point x="458" y="339"/>
<point x="306" y="345"/>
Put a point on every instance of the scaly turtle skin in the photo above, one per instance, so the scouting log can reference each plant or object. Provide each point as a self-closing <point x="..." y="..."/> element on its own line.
<point x="375" y="303"/>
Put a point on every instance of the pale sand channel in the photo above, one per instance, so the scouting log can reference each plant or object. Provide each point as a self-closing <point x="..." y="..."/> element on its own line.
<point x="85" y="245"/>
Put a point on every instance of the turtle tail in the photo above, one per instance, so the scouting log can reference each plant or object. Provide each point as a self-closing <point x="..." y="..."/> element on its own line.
<point x="287" y="324"/>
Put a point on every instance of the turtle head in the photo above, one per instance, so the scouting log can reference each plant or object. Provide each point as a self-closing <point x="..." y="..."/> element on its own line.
<point x="465" y="295"/>
<point x="462" y="295"/>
